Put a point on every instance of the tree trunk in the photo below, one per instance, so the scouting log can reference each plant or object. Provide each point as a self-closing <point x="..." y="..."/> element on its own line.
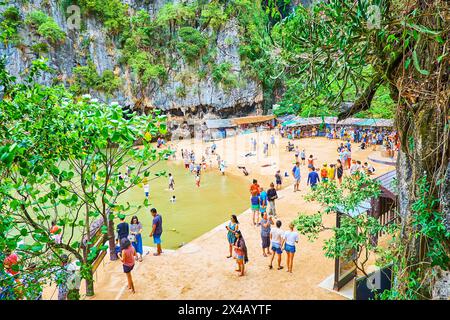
<point x="90" y="285"/>
<point x="111" y="240"/>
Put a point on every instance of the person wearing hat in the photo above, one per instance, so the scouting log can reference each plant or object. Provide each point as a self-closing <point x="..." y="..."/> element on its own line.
<point x="324" y="173"/>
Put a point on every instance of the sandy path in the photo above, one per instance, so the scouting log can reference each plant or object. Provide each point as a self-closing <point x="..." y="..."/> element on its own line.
<point x="200" y="269"/>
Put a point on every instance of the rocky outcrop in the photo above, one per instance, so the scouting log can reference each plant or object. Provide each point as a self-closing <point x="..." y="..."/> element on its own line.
<point x="92" y="42"/>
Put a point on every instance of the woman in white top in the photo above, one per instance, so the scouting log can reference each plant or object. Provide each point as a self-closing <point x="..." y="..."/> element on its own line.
<point x="289" y="240"/>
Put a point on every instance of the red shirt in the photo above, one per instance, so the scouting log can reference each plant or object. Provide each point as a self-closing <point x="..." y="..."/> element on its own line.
<point x="128" y="256"/>
<point x="254" y="189"/>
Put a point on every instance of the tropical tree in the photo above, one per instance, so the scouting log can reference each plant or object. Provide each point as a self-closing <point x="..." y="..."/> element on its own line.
<point x="61" y="160"/>
<point x="403" y="45"/>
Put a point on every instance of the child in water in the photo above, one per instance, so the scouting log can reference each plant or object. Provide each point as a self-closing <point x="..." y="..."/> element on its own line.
<point x="146" y="189"/>
<point x="197" y="179"/>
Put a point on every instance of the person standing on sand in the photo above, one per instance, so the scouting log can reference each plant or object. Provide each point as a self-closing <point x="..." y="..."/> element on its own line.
<point x="136" y="230"/>
<point x="303" y="157"/>
<point x="311" y="161"/>
<point x="272" y="196"/>
<point x="156" y="231"/>
<point x="241" y="253"/>
<point x="276" y="238"/>
<point x="332" y="172"/>
<point x="254" y="203"/>
<point x="123" y="229"/>
<point x="296" y="175"/>
<point x="263" y="201"/>
<point x="324" y="173"/>
<point x="232" y="227"/>
<point x="278" y="179"/>
<point x="127" y="256"/>
<point x="265" y="233"/>
<point x="290" y="239"/>
<point x="313" y="178"/>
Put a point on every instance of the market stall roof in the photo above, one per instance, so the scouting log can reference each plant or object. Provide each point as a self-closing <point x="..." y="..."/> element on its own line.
<point x="387" y="189"/>
<point x="220" y="123"/>
<point x="300" y="121"/>
<point x="252" y="119"/>
<point x="387" y="183"/>
<point x="361" y="208"/>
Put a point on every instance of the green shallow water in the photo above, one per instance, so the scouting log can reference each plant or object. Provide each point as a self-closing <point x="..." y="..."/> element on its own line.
<point x="196" y="211"/>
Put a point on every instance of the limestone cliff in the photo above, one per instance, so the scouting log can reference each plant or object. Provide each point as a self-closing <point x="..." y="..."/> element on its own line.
<point x="182" y="92"/>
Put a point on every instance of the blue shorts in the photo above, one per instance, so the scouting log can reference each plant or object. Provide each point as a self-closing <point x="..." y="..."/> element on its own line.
<point x="239" y="257"/>
<point x="146" y="194"/>
<point x="289" y="248"/>
<point x="157" y="239"/>
<point x="277" y="249"/>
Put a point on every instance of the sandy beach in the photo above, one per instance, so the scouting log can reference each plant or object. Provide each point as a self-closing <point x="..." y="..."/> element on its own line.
<point x="200" y="269"/>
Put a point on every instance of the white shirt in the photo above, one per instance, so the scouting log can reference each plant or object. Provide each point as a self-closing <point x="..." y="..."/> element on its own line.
<point x="291" y="237"/>
<point x="277" y="235"/>
<point x="146" y="188"/>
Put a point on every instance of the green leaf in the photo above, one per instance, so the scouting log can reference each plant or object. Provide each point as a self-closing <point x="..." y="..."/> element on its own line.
<point x="417" y="65"/>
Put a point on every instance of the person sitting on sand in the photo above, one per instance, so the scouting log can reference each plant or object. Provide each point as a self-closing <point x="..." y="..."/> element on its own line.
<point x="173" y="199"/>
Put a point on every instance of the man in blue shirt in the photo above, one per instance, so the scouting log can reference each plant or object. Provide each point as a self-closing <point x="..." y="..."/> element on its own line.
<point x="156" y="231"/>
<point x="296" y="174"/>
<point x="313" y="178"/>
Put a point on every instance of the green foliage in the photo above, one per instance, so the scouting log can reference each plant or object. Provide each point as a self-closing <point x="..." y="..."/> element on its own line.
<point x="51" y="31"/>
<point x="222" y="74"/>
<point x="113" y="13"/>
<point x="45" y="26"/>
<point x="192" y="44"/>
<point x="352" y="240"/>
<point x="60" y="160"/>
<point x="40" y="48"/>
<point x="181" y="92"/>
<point x="10" y="21"/>
<point x="36" y="18"/>
<point x="87" y="78"/>
<point x="429" y="221"/>
<point x="146" y="71"/>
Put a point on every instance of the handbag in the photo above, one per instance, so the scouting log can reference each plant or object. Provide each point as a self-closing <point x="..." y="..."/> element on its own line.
<point x="132" y="238"/>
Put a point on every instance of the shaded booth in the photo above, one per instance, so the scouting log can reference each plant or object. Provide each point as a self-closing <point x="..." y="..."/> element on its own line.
<point x="252" y="123"/>
<point x="220" y="128"/>
<point x="383" y="208"/>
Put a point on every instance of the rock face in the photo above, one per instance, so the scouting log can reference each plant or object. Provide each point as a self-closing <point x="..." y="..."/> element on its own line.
<point x="93" y="43"/>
